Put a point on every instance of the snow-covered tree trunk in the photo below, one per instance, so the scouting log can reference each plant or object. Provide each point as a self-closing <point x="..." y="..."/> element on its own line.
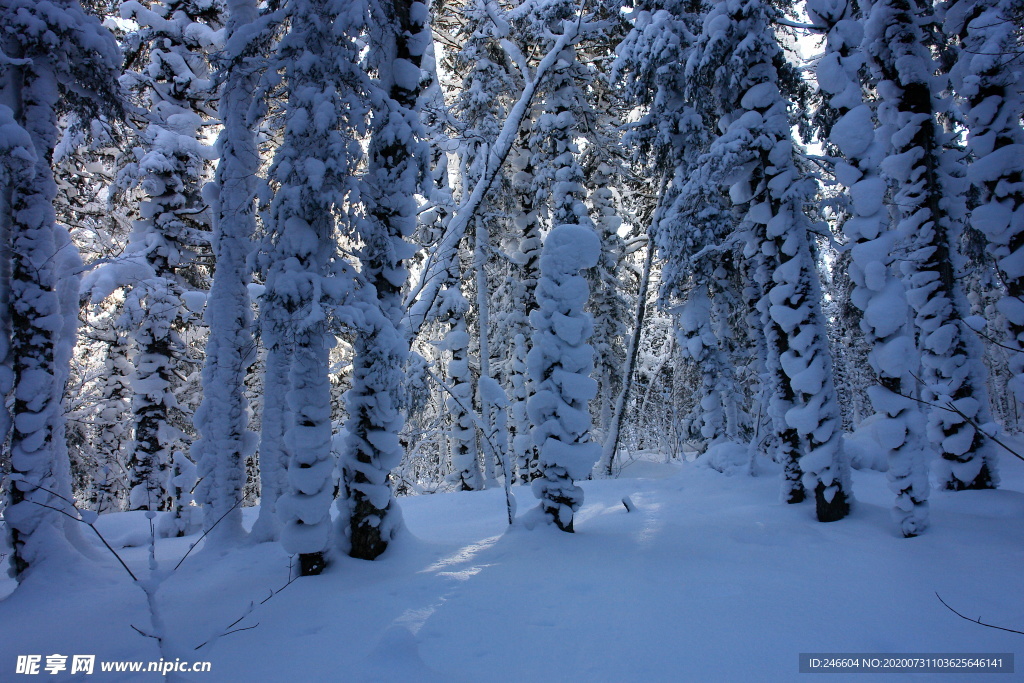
<point x="149" y="462"/>
<point x="494" y="404"/>
<point x="447" y="304"/>
<point x="610" y="447"/>
<point x="929" y="198"/>
<point x="222" y="420"/>
<point x="36" y="325"/>
<point x="494" y="436"/>
<point x="174" y="223"/>
<point x="306" y="281"/>
<point x="113" y="434"/>
<point x="513" y="131"/>
<point x="989" y="76"/>
<point x="607" y="301"/>
<point x="803" y="354"/>
<point x="14" y="167"/>
<point x="739" y="55"/>
<point x="699" y="343"/>
<point x="877" y="290"/>
<point x="527" y="221"/>
<point x="273" y="457"/>
<point x="723" y="304"/>
<point x="397" y="168"/>
<point x="44" y="47"/>
<point x="459" y="404"/>
<point x="551" y="182"/>
<point x="776" y="395"/>
<point x="487" y="81"/>
<point x="519" y="427"/>
<point x="560" y="364"/>
<point x="766" y="434"/>
<point x="697" y="235"/>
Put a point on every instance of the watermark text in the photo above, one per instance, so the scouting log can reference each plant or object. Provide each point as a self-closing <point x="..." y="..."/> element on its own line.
<point x="31" y="665"/>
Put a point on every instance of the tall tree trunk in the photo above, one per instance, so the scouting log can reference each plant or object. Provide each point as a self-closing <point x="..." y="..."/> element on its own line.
<point x="930" y="205"/>
<point x="877" y="290"/>
<point x="273" y="456"/>
<point x="396" y="172"/>
<point x="223" y="417"/>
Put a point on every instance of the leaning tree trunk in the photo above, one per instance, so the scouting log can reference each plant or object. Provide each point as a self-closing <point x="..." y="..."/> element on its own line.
<point x="611" y="440"/>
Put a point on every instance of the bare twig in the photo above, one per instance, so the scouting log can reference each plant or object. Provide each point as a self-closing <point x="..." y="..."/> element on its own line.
<point x="143" y="633"/>
<point x="978" y="620"/>
<point x="203" y="535"/>
<point x="951" y="407"/>
<point x="80" y="520"/>
<point x="477" y="420"/>
<point x="228" y="630"/>
<point x="988" y="338"/>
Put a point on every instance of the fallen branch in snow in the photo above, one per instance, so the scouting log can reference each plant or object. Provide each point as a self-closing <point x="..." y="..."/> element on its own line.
<point x="420" y="301"/>
<point x="977" y="621"/>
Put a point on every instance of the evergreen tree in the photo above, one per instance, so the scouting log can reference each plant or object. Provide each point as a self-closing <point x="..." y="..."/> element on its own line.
<point x="877" y="289"/>
<point x="222" y="420"/>
<point x="113" y="435"/>
<point x="396" y="172"/>
<point x="608" y="303"/>
<point x="526" y="219"/>
<point x="173" y="228"/>
<point x="560" y="363"/>
<point x="55" y="55"/>
<point x="989" y="78"/>
<point x="738" y="57"/>
<point x="306" y="281"/>
<point x="274" y="418"/>
<point x="928" y="177"/>
<point x="99" y="218"/>
<point x="459" y="403"/>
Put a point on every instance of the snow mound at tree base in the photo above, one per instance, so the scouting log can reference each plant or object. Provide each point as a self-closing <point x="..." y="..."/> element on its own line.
<point x="726" y="457"/>
<point x="863" y="448"/>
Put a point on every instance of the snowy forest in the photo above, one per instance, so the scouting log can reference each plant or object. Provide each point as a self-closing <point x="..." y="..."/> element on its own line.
<point x="275" y="272"/>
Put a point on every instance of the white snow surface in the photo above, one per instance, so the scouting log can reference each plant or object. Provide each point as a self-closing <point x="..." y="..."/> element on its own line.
<point x="711" y="578"/>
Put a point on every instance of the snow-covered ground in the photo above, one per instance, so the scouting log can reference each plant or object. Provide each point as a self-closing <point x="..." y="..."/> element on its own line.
<point x="709" y="579"/>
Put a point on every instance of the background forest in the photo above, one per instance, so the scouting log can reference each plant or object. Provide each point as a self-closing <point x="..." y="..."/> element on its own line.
<point x="306" y="254"/>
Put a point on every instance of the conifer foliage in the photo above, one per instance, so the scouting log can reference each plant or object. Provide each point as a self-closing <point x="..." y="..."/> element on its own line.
<point x="988" y="77"/>
<point x="306" y="282"/>
<point x="426" y="244"/>
<point x="878" y="289"/>
<point x="223" y="418"/>
<point x="178" y="36"/>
